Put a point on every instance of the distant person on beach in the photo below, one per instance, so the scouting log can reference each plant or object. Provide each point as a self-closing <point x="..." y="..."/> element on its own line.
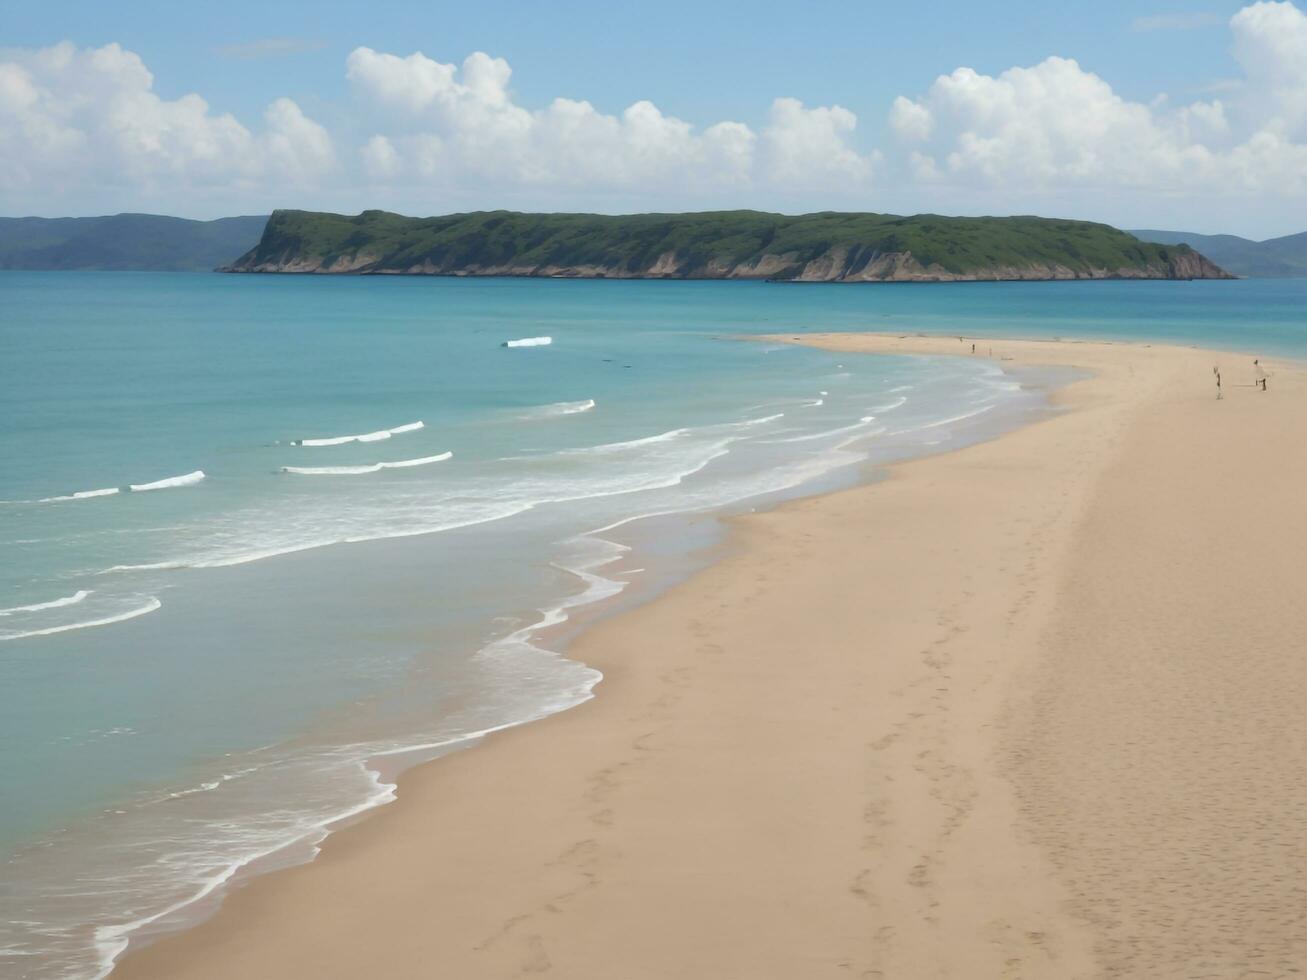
<point x="1259" y="373"/>
<point x="1218" y="384"/>
<point x="973" y="348"/>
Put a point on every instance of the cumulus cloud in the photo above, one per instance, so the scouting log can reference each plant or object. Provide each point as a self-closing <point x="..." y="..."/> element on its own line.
<point x="1270" y="43"/>
<point x="1059" y="125"/>
<point x="462" y="124"/>
<point x="293" y="144"/>
<point x="86" y="125"/>
<point x="810" y="146"/>
<point x="911" y="120"/>
<point x="76" y="116"/>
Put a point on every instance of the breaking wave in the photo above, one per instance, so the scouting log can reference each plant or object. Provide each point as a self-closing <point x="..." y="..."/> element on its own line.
<point x="80" y="495"/>
<point x="365" y="437"/>
<point x="67" y="600"/>
<point x="185" y="480"/>
<point x="150" y="605"/>
<point x="890" y="406"/>
<point x="529" y="342"/>
<point x="365" y="468"/>
<point x="557" y="409"/>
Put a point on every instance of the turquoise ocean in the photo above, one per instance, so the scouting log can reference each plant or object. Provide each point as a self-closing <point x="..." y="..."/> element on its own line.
<point x="265" y="540"/>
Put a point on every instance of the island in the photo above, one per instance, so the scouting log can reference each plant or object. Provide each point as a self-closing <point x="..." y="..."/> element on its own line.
<point x="823" y="247"/>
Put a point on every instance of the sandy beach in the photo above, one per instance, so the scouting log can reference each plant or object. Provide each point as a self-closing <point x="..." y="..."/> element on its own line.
<point x="1033" y="708"/>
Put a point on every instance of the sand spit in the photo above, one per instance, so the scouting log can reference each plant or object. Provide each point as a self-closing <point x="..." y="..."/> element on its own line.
<point x="1033" y="708"/>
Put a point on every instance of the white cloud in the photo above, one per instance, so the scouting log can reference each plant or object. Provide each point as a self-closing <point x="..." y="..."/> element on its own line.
<point x="294" y="144"/>
<point x="380" y="159"/>
<point x="84" y="129"/>
<point x="485" y="137"/>
<point x="73" y="117"/>
<point x="810" y="146"/>
<point x="911" y="120"/>
<point x="1057" y="126"/>
<point x="412" y="83"/>
<point x="1270" y="44"/>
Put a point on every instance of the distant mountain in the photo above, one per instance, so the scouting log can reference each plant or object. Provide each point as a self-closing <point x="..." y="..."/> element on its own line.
<point x="824" y="247"/>
<point x="1275" y="258"/>
<point x="126" y="242"/>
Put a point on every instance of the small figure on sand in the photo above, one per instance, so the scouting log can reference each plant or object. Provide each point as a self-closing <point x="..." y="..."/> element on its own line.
<point x="973" y="348"/>
<point x="1217" y="371"/>
<point x="1259" y="374"/>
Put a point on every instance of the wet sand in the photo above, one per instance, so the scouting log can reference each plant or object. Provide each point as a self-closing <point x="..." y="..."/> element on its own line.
<point x="1033" y="708"/>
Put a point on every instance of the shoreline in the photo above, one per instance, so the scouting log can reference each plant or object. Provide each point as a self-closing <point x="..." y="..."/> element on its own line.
<point x="591" y="770"/>
<point x="706" y="537"/>
<point x="332" y="776"/>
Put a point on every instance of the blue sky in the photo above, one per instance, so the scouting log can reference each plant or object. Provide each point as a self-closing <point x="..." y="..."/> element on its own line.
<point x="700" y="63"/>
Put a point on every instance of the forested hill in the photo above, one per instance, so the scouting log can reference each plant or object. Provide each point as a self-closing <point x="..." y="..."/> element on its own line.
<point x="136" y="242"/>
<point x="824" y="247"/>
<point x="1275" y="258"/>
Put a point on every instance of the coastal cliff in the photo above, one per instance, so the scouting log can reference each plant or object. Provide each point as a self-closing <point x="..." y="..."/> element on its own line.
<point x="824" y="247"/>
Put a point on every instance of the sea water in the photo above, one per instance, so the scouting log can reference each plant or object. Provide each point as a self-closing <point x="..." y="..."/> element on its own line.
<point x="260" y="535"/>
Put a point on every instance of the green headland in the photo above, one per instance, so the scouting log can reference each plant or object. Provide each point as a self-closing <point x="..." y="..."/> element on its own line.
<point x="822" y="247"/>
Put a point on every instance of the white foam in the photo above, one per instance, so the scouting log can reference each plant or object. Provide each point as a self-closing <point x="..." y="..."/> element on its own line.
<point x="956" y="418"/>
<point x="365" y="437"/>
<point x="332" y="470"/>
<point x="529" y="342"/>
<point x="775" y="480"/>
<point x="112" y="940"/>
<point x="153" y="566"/>
<point x="420" y="461"/>
<point x="185" y="480"/>
<point x="67" y="600"/>
<point x="150" y="606"/>
<point x="939" y="422"/>
<point x="557" y="409"/>
<point x="862" y="423"/>
<point x="890" y="406"/>
<point x="669" y="454"/>
<point x="225" y="558"/>
<point x="613" y="447"/>
<point x="80" y="495"/>
<point x="366" y="467"/>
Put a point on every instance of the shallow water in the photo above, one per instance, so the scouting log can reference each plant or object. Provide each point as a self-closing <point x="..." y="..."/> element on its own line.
<point x="292" y="576"/>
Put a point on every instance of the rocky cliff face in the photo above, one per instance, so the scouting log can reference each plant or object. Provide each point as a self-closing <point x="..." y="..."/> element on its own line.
<point x="835" y="265"/>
